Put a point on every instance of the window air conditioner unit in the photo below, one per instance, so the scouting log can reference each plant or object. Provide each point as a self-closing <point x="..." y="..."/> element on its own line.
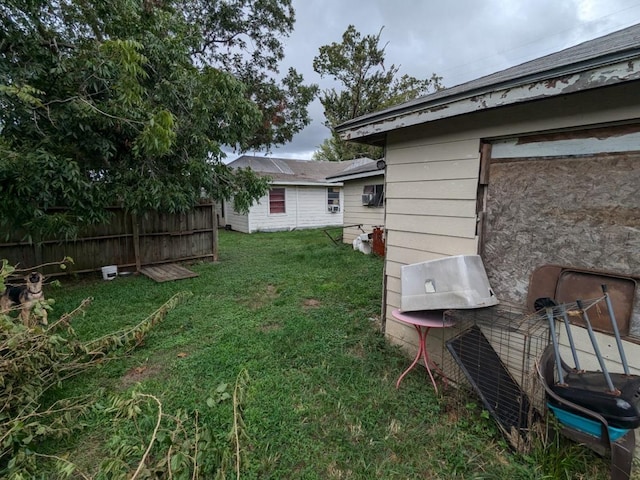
<point x="367" y="199"/>
<point x="334" y="208"/>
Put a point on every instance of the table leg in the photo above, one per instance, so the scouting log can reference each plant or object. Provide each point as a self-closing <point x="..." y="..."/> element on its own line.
<point x="422" y="352"/>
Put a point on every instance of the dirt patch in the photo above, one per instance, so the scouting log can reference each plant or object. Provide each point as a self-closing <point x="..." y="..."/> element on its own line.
<point x="139" y="374"/>
<point x="358" y="351"/>
<point x="311" y="303"/>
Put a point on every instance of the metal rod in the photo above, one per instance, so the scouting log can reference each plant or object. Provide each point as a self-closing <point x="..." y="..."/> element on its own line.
<point x="554" y="340"/>
<point x="616" y="332"/>
<point x="596" y="349"/>
<point x="565" y="320"/>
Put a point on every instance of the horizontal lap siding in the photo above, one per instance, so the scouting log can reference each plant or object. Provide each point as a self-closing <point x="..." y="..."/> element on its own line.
<point x="440" y="162"/>
<point x="608" y="349"/>
<point x="357" y="214"/>
<point x="313" y="208"/>
<point x="430" y="171"/>
<point x="261" y="220"/>
<point x="234" y="220"/>
<point x="436" y="207"/>
<point x="430" y="244"/>
<point x="306" y="207"/>
<point x="431" y="213"/>
<point x="435" y="225"/>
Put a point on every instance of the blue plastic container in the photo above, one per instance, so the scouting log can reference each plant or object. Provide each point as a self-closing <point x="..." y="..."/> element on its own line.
<point x="586" y="425"/>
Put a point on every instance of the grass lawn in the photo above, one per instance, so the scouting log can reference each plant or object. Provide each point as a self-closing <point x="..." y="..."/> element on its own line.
<point x="299" y="316"/>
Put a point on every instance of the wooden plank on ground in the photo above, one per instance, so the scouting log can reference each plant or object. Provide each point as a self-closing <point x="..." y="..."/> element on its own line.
<point x="167" y="272"/>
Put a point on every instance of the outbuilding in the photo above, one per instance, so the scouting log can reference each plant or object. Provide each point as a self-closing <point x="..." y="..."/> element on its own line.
<point x="299" y="196"/>
<point x="537" y="164"/>
<point x="363" y="188"/>
<point x="532" y="167"/>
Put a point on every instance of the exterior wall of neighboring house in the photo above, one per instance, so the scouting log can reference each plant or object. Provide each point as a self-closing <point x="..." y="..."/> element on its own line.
<point x="432" y="183"/>
<point x="234" y="220"/>
<point x="306" y="206"/>
<point x="221" y="214"/>
<point x="355" y="213"/>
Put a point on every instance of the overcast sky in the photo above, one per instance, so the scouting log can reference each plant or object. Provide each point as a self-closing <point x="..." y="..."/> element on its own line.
<point x="459" y="40"/>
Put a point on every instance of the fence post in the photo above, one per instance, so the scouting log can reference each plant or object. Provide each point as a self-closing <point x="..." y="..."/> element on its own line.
<point x="214" y="231"/>
<point x="136" y="240"/>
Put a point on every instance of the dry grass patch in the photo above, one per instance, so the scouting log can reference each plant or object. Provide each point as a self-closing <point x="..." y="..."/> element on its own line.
<point x="262" y="298"/>
<point x="334" y="472"/>
<point x="311" y="303"/>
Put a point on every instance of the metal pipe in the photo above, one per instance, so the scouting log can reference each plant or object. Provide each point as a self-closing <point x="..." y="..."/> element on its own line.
<point x="616" y="332"/>
<point x="565" y="320"/>
<point x="554" y="341"/>
<point x="596" y="349"/>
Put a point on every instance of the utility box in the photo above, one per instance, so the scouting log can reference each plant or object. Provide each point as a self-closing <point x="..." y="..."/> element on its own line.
<point x="452" y="282"/>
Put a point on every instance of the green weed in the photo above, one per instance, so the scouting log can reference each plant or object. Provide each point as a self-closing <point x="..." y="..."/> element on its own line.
<point x="300" y="316"/>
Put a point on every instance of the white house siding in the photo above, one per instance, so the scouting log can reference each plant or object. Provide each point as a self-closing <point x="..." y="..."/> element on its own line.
<point x="357" y="214"/>
<point x="238" y="222"/>
<point x="432" y="177"/>
<point x="306" y="207"/>
<point x="430" y="201"/>
<point x="608" y="349"/>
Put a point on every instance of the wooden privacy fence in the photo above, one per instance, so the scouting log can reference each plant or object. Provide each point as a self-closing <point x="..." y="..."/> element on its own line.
<point x="128" y="241"/>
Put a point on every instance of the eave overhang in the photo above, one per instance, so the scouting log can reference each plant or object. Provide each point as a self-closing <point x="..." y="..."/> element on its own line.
<point x="372" y="129"/>
<point x="356" y="176"/>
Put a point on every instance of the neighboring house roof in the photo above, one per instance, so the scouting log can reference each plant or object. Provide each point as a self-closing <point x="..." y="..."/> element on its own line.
<point x="599" y="62"/>
<point x="286" y="171"/>
<point x="371" y="168"/>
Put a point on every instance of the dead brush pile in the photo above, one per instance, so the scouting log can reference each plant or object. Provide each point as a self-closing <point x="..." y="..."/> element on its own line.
<point x="34" y="360"/>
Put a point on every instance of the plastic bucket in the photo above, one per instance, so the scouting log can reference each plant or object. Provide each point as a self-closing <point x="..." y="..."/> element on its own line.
<point x="109" y="272"/>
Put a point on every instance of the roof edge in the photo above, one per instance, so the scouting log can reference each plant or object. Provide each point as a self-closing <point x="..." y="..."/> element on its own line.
<point x="355" y="176"/>
<point x="429" y="102"/>
<point x="536" y="87"/>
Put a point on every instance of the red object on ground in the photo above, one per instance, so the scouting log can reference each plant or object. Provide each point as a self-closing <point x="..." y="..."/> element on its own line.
<point x="378" y="241"/>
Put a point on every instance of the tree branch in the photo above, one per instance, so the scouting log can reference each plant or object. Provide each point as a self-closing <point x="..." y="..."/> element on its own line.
<point x="153" y="436"/>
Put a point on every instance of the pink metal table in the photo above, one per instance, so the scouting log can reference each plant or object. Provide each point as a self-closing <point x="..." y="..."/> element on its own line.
<point x="423" y="321"/>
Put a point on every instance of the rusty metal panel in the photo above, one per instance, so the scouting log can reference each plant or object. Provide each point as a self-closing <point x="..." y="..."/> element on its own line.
<point x="566" y="285"/>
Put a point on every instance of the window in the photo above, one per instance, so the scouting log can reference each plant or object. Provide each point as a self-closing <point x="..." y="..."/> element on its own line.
<point x="373" y="195"/>
<point x="276" y="200"/>
<point x="333" y="199"/>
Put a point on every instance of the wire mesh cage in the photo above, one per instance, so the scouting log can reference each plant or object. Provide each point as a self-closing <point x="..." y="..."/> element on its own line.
<point x="494" y="355"/>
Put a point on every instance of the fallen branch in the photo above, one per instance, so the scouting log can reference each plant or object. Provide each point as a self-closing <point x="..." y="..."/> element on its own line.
<point x="64" y="319"/>
<point x="65" y="461"/>
<point x="153" y="436"/>
<point x="32" y="361"/>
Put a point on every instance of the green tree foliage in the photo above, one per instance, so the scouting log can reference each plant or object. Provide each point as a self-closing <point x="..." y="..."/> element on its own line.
<point x="367" y="86"/>
<point x="131" y="102"/>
